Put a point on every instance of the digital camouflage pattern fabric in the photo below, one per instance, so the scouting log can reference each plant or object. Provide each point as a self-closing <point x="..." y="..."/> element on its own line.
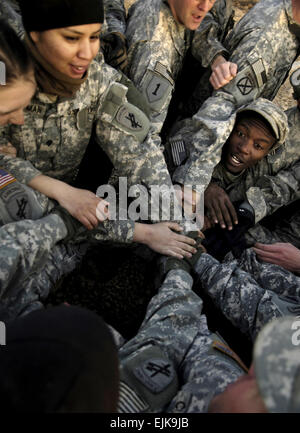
<point x="158" y="44"/>
<point x="175" y="332"/>
<point x="264" y="56"/>
<point x="278" y="376"/>
<point x="250" y="293"/>
<point x="24" y="251"/>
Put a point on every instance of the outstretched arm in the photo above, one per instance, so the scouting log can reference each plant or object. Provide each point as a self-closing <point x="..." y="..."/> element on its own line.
<point x="282" y="254"/>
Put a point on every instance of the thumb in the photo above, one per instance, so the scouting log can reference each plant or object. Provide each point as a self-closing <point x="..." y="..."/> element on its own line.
<point x="233" y="69"/>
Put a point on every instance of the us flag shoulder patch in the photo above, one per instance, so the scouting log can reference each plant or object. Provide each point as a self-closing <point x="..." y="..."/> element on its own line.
<point x="5" y="178"/>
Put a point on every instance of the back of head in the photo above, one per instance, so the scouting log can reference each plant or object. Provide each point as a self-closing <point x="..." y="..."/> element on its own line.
<point x="41" y="15"/>
<point x="277" y="365"/>
<point x="15" y="60"/>
<point x="62" y="359"/>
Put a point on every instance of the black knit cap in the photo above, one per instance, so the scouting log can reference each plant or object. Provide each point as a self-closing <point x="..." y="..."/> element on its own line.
<point x="40" y="15"/>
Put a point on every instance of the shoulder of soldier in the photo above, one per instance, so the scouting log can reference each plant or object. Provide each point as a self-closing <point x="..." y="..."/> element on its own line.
<point x="143" y="18"/>
<point x="125" y="107"/>
<point x="105" y="77"/>
<point x="101" y="75"/>
<point x="269" y="11"/>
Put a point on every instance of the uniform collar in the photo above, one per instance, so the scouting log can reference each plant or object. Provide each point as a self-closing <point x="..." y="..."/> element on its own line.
<point x="178" y="31"/>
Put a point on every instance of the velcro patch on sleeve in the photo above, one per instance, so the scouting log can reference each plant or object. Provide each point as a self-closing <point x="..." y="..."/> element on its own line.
<point x="157" y="86"/>
<point x="260" y="72"/>
<point x="223" y="348"/>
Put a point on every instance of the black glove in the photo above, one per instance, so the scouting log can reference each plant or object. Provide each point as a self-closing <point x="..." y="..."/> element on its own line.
<point x="218" y="242"/>
<point x="114" y="49"/>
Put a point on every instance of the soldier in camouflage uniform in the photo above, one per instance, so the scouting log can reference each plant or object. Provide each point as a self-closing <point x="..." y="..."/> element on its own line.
<point x="175" y="364"/>
<point x="264" y="55"/>
<point x="250" y="152"/>
<point x="268" y="189"/>
<point x="273" y="189"/>
<point x="67" y="121"/>
<point x="159" y="39"/>
<point x="23" y="251"/>
<point x="174" y="339"/>
<point x="100" y="102"/>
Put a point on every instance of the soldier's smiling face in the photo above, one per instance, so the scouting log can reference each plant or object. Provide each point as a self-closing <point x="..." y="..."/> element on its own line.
<point x="14" y="97"/>
<point x="190" y="13"/>
<point x="69" y="50"/>
<point x="249" y="142"/>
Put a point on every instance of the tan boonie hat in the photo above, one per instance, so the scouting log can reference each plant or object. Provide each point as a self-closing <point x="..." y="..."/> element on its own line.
<point x="277" y="364"/>
<point x="273" y="114"/>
